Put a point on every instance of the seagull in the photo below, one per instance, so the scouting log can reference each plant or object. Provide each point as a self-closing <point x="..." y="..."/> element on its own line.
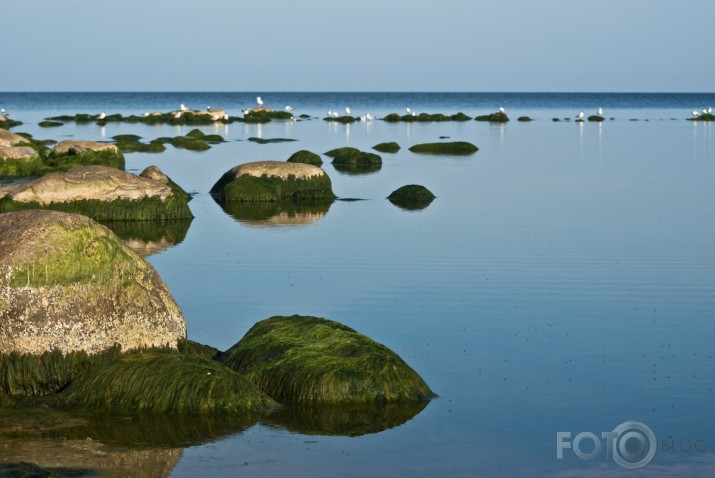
<point x="146" y="114"/>
<point x="2" y="112"/>
<point x="369" y="117"/>
<point x="696" y="114"/>
<point x="363" y="118"/>
<point x="259" y="101"/>
<point x="335" y="114"/>
<point x="225" y="116"/>
<point x="208" y="108"/>
<point x="183" y="107"/>
<point x="408" y="110"/>
<point x="177" y="115"/>
<point x="289" y="108"/>
<point x="102" y="115"/>
<point x="710" y="109"/>
<point x="330" y="113"/>
<point x="347" y="110"/>
<point x="600" y="111"/>
<point x="580" y="115"/>
<point x="502" y="110"/>
<point x="414" y="114"/>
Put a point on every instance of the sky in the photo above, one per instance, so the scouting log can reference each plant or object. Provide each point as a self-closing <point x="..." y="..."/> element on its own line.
<point x="364" y="45"/>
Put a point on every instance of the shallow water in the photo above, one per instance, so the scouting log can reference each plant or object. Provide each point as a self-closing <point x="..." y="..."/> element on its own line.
<point x="563" y="279"/>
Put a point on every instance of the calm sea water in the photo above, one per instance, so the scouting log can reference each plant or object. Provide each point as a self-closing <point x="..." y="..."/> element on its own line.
<point x="563" y="279"/>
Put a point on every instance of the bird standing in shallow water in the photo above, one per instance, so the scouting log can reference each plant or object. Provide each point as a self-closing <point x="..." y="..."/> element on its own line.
<point x="580" y="115"/>
<point x="600" y="111"/>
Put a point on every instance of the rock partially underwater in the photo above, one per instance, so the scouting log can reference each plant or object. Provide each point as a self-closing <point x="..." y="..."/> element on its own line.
<point x="306" y="157"/>
<point x="71" y="153"/>
<point x="100" y="192"/>
<point x="425" y="117"/>
<point x="411" y="197"/>
<point x="390" y="147"/>
<point x="302" y="359"/>
<point x="452" y="148"/>
<point x="266" y="181"/>
<point x="497" y="117"/>
<point x="69" y="286"/>
<point x="353" y="161"/>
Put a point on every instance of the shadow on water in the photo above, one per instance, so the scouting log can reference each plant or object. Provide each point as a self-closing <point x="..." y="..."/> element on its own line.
<point x="357" y="169"/>
<point x="343" y="420"/>
<point x="276" y="214"/>
<point x="150" y="237"/>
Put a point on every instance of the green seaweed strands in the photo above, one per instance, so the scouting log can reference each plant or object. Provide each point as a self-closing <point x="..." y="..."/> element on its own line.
<point x="38" y="375"/>
<point x="147" y="209"/>
<point x="453" y="148"/>
<point x="249" y="188"/>
<point x="33" y="166"/>
<point x="302" y="359"/>
<point x="154" y="382"/>
<point x="306" y="157"/>
<point x="390" y="147"/>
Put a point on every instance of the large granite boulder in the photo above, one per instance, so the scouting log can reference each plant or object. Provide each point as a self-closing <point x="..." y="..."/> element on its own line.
<point x="70" y="153"/>
<point x="19" y="161"/>
<point x="301" y="359"/>
<point x="264" y="181"/>
<point x="8" y="138"/>
<point x="69" y="285"/>
<point x="101" y="192"/>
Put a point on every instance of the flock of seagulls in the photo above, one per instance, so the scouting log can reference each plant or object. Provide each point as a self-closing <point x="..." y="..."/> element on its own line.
<point x="706" y="111"/>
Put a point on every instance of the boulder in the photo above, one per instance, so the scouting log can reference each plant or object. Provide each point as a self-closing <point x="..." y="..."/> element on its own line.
<point x="70" y="153"/>
<point x="273" y="181"/>
<point x="20" y="161"/>
<point x="305" y="156"/>
<point x="390" y="147"/>
<point x="452" y="148"/>
<point x="8" y="138"/>
<point x="70" y="285"/>
<point x="412" y="196"/>
<point x="498" y="117"/>
<point x="101" y="192"/>
<point x="302" y="359"/>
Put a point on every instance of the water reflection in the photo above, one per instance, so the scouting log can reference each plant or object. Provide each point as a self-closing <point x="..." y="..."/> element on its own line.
<point x="276" y="214"/>
<point x="357" y="169"/>
<point x="150" y="237"/>
<point x="344" y="420"/>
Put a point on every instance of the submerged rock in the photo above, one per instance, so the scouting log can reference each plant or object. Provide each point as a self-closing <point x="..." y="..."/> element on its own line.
<point x="390" y="147"/>
<point x="524" y="119"/>
<point x="302" y="359"/>
<point x="596" y="118"/>
<point x="69" y="285"/>
<point x="273" y="181"/>
<point x="453" y="148"/>
<point x="354" y="157"/>
<point x="100" y="192"/>
<point x="412" y="196"/>
<point x="154" y="382"/>
<point x="498" y="117"/>
<point x="305" y="156"/>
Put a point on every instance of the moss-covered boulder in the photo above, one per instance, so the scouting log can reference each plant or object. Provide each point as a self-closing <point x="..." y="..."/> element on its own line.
<point x="270" y="140"/>
<point x="131" y="143"/>
<point x="155" y="382"/>
<point x="50" y="124"/>
<point x="8" y="138"/>
<point x="302" y="359"/>
<point x="305" y="156"/>
<point x="497" y="117"/>
<point x="6" y="122"/>
<point x="703" y="117"/>
<point x="20" y="161"/>
<point x="69" y="285"/>
<point x="347" y="119"/>
<point x="596" y="118"/>
<point x="264" y="115"/>
<point x="412" y="196"/>
<point x="425" y="117"/>
<point x="273" y="181"/>
<point x="100" y="192"/>
<point x="354" y="157"/>
<point x="71" y="153"/>
<point x="524" y="119"/>
<point x="452" y="148"/>
<point x="390" y="147"/>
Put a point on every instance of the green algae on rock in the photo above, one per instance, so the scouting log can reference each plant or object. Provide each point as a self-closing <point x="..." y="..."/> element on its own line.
<point x="69" y="285"/>
<point x="302" y="359"/>
<point x="270" y="140"/>
<point x="154" y="382"/>
<point x="341" y="119"/>
<point x="497" y="117"/>
<point x="50" y="124"/>
<point x="390" y="147"/>
<point x="353" y="157"/>
<point x="71" y="153"/>
<point x="305" y="156"/>
<point x="524" y="119"/>
<point x="453" y="148"/>
<point x="263" y="181"/>
<point x="425" y="117"/>
<point x="703" y="117"/>
<point x="411" y="196"/>
<point x="100" y="192"/>
<point x="596" y="118"/>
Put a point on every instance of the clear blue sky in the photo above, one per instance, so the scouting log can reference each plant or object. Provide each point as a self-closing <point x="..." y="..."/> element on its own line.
<point x="363" y="45"/>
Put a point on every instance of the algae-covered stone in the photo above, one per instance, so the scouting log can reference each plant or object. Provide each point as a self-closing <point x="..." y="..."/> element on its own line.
<point x="20" y="161"/>
<point x="100" y="192"/>
<point x="596" y="118"/>
<point x="305" y="156"/>
<point x="70" y="153"/>
<point x="453" y="148"/>
<point x="498" y="117"/>
<point x="412" y="196"/>
<point x="703" y="117"/>
<point x="69" y="284"/>
<point x="49" y="124"/>
<point x="154" y="382"/>
<point x="390" y="147"/>
<point x="8" y="138"/>
<point x="273" y="181"/>
<point x="524" y="119"/>
<point x="302" y="359"/>
<point x="354" y="157"/>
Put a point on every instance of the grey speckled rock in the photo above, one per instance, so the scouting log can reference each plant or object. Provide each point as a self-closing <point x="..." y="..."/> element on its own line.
<point x="68" y="284"/>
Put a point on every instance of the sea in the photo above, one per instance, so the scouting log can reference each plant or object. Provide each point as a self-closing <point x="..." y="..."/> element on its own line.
<point x="558" y="295"/>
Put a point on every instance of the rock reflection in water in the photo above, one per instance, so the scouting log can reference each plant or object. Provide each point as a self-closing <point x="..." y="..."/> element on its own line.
<point x="276" y="214"/>
<point x="357" y="170"/>
<point x="150" y="237"/>
<point x="112" y="446"/>
<point x="344" y="420"/>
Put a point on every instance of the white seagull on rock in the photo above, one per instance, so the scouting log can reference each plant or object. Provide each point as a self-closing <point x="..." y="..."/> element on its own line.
<point x="102" y="115"/>
<point x="502" y="110"/>
<point x="600" y="111"/>
<point x="289" y="108"/>
<point x="259" y="101"/>
<point x="183" y="107"/>
<point x="696" y="114"/>
<point x="580" y="115"/>
<point x="347" y="110"/>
